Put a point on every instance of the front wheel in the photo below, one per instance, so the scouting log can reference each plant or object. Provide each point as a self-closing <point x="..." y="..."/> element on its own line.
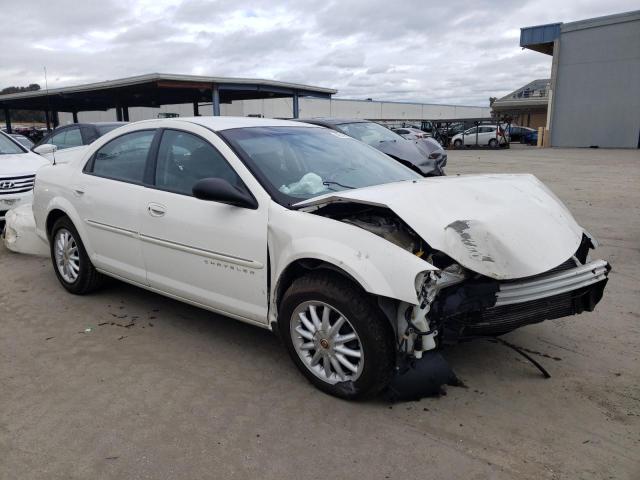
<point x="71" y="263"/>
<point x="457" y="144"/>
<point x="336" y="336"/>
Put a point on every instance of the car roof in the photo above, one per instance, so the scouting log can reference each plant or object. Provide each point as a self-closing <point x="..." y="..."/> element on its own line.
<point x="227" y="123"/>
<point x="86" y="124"/>
<point x="330" y="121"/>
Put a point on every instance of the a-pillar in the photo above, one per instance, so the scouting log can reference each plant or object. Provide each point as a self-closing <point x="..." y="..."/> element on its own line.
<point x="7" y="119"/>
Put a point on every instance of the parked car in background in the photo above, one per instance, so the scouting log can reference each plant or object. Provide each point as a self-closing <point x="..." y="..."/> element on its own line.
<point x="22" y="140"/>
<point x="408" y="152"/>
<point x="491" y="136"/>
<point x="359" y="263"/>
<point x="17" y="173"/>
<point x="517" y="133"/>
<point x="411" y="133"/>
<point x="531" y="138"/>
<point x="74" y="135"/>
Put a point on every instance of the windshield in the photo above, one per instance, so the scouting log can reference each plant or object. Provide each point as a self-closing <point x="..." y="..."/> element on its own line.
<point x="369" y="132"/>
<point x="297" y="163"/>
<point x="8" y="146"/>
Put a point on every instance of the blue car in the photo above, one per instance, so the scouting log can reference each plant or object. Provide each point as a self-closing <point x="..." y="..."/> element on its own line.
<point x="531" y="138"/>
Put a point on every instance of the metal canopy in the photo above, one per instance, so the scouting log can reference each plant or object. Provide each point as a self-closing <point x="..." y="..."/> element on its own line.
<point x="154" y="90"/>
<point x="540" y="38"/>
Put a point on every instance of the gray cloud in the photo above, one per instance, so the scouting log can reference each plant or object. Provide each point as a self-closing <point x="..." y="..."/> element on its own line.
<point x="444" y="52"/>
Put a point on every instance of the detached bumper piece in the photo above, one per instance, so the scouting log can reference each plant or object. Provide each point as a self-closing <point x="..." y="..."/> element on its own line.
<point x="564" y="291"/>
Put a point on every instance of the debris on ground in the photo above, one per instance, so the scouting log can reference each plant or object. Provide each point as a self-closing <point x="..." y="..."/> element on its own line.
<point x="426" y="377"/>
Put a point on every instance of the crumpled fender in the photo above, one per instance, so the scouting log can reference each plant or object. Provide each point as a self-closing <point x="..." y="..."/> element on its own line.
<point x="379" y="266"/>
<point x="20" y="232"/>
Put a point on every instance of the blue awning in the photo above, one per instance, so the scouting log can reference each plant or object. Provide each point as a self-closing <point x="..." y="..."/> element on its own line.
<point x="540" y="38"/>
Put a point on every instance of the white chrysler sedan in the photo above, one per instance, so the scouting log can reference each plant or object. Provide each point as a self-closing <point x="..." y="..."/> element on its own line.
<point x="357" y="262"/>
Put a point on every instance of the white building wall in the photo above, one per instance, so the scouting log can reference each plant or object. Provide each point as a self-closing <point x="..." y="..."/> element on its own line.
<point x="309" y="108"/>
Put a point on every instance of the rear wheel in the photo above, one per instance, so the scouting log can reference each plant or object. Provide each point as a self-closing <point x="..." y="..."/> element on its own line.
<point x="71" y="263"/>
<point x="336" y="336"/>
<point x="493" y="143"/>
<point x="457" y="144"/>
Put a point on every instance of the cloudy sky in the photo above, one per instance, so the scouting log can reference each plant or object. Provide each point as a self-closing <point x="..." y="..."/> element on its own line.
<point x="451" y="51"/>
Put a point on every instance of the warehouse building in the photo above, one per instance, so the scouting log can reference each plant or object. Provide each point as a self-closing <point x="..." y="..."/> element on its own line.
<point x="526" y="106"/>
<point x="308" y="107"/>
<point x="594" y="90"/>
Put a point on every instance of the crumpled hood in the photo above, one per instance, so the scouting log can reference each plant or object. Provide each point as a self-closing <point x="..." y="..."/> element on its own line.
<point x="501" y="226"/>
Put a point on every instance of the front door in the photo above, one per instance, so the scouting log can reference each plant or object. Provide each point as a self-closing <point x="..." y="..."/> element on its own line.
<point x="207" y="252"/>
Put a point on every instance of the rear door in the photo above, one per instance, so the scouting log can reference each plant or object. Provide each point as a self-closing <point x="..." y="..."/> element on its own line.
<point x="206" y="252"/>
<point x="110" y="198"/>
<point x="470" y="136"/>
<point x="486" y="134"/>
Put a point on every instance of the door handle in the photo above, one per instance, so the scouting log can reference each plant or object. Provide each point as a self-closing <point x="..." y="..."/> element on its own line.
<point x="78" y="192"/>
<point x="156" y="210"/>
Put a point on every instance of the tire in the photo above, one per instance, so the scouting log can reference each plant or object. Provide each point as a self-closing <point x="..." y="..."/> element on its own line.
<point x="493" y="143"/>
<point x="373" y="339"/>
<point x="82" y="277"/>
<point x="457" y="144"/>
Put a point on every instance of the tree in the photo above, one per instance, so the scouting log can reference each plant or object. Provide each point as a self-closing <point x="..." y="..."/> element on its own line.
<point x="30" y="88"/>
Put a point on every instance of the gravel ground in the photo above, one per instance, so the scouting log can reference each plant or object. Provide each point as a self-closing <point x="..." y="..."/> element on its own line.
<point x="157" y="389"/>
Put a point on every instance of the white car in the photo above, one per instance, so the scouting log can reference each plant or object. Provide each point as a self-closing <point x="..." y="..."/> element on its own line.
<point x="483" y="135"/>
<point x="17" y="172"/>
<point x="411" y="133"/>
<point x="310" y="233"/>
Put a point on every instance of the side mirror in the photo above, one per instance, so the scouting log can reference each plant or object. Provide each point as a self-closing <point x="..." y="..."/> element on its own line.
<point x="219" y="190"/>
<point x="45" y="149"/>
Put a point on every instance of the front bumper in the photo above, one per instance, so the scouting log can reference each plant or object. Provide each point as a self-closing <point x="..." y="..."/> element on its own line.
<point x="7" y="202"/>
<point x="485" y="307"/>
<point x="552" y="284"/>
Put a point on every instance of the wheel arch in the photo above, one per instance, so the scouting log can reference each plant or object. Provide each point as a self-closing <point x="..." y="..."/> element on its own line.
<point x="52" y="217"/>
<point x="300" y="267"/>
<point x="57" y="208"/>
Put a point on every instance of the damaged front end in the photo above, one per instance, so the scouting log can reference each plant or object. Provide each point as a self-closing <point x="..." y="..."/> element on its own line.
<point x="457" y="304"/>
<point x="484" y="279"/>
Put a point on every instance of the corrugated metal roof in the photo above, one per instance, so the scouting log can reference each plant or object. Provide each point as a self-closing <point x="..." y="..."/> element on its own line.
<point x="534" y="93"/>
<point x="151" y="77"/>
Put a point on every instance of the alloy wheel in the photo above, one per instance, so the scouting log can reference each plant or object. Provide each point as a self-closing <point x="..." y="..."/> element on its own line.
<point x="326" y="342"/>
<point x="67" y="255"/>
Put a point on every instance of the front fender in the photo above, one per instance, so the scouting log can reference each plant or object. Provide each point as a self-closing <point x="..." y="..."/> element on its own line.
<point x="379" y="266"/>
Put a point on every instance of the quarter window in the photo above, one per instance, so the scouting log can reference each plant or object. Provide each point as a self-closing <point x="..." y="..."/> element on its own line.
<point x="125" y="157"/>
<point x="184" y="159"/>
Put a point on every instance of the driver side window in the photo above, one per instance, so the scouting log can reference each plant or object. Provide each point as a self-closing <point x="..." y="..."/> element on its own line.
<point x="184" y="159"/>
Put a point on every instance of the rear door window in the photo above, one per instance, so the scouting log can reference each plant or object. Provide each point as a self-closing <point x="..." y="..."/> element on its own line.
<point x="123" y="158"/>
<point x="67" y="138"/>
